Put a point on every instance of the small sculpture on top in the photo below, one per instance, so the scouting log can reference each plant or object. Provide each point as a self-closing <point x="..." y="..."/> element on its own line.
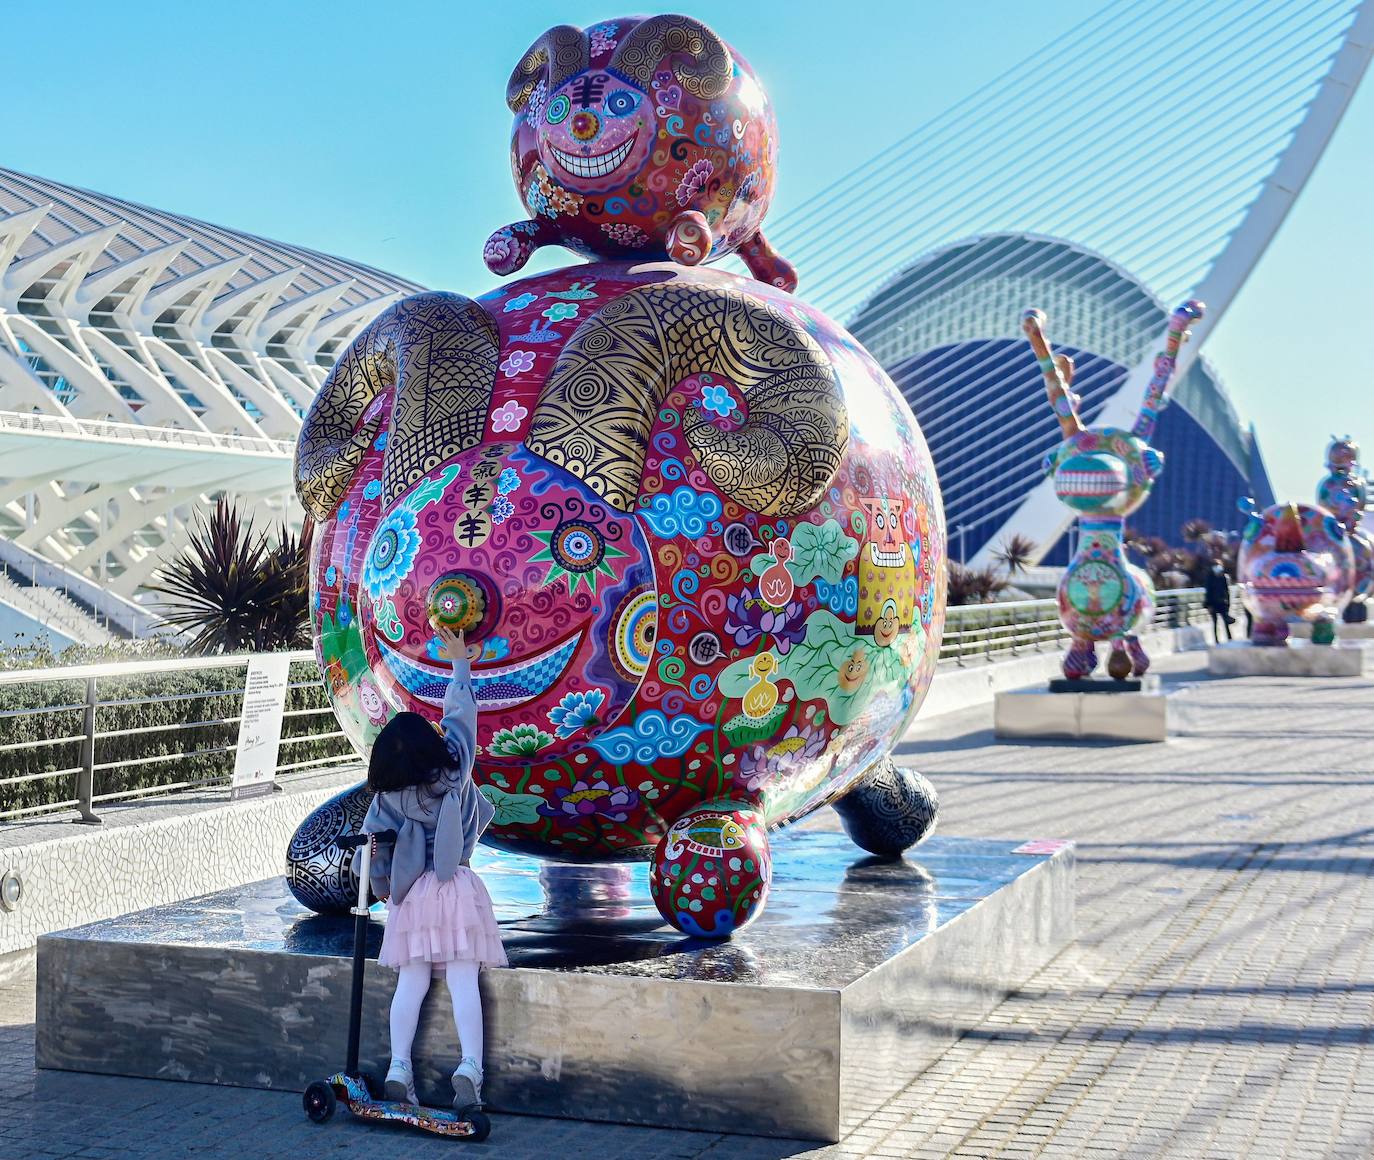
<point x="641" y="138"/>
<point x="1105" y="474"/>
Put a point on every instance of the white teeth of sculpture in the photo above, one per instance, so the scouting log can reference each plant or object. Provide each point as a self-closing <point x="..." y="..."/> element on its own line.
<point x="597" y="166"/>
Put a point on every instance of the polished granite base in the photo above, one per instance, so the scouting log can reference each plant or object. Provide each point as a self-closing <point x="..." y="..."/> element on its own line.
<point x="1296" y="658"/>
<point x="1028" y="714"/>
<point x="858" y="975"/>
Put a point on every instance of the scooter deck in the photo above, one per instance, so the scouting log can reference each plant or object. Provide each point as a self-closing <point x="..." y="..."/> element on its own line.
<point x="436" y="1121"/>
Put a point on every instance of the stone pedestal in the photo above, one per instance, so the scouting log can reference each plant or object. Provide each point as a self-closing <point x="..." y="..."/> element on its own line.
<point x="1296" y="658"/>
<point x="857" y="977"/>
<point x="1105" y="714"/>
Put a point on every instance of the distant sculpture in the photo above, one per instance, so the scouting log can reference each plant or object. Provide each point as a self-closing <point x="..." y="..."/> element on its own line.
<point x="641" y="139"/>
<point x="1344" y="494"/>
<point x="1295" y="563"/>
<point x="1105" y="474"/>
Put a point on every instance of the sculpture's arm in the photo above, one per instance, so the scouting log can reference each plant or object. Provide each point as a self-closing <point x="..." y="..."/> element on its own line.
<point x="1058" y="372"/>
<point x="510" y="247"/>
<point x="1165" y="363"/>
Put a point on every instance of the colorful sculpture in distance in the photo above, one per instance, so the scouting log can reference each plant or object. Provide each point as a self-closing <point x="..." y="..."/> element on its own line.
<point x="641" y="138"/>
<point x="1344" y="494"/>
<point x="1104" y="474"/>
<point x="1295" y="563"/>
<point x="690" y="522"/>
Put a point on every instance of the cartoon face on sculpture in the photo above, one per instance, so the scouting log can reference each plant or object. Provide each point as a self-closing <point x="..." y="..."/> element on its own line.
<point x="640" y="138"/>
<point x="1295" y="563"/>
<point x="1104" y="474"/>
<point x="693" y="571"/>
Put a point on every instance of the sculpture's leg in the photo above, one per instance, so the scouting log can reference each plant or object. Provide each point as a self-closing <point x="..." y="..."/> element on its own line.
<point x="1081" y="659"/>
<point x="1356" y="612"/>
<point x="1119" y="663"/>
<point x="1324" y="630"/>
<point x="710" y="873"/>
<point x="1140" y="659"/>
<point x="1270" y="632"/>
<point x="689" y="238"/>
<point x="767" y="265"/>
<point x="318" y="873"/>
<point x="890" y="810"/>
<point x="510" y="247"/>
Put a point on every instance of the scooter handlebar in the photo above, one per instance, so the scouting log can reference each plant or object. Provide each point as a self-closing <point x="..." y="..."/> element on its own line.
<point x="353" y="841"/>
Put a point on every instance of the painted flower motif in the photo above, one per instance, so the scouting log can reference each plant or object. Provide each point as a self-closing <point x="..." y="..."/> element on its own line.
<point x="331" y="574"/>
<point x="508" y="481"/>
<point x="373" y="489"/>
<point x="717" y="399"/>
<point x="523" y="741"/>
<point x="380" y="442"/>
<point x="584" y="801"/>
<point x="501" y="510"/>
<point x="501" y="250"/>
<point x="694" y="181"/>
<point x="508" y="417"/>
<point x="561" y="310"/>
<point x="762" y="764"/>
<point x="519" y="302"/>
<point x="512" y="809"/>
<point x="392" y="553"/>
<point x="517" y="363"/>
<point x="750" y="618"/>
<point x="534" y="106"/>
<point x="577" y="711"/>
<point x="624" y="234"/>
<point x="603" y="37"/>
<point x="564" y="201"/>
<point x="495" y="648"/>
<point x="537" y="194"/>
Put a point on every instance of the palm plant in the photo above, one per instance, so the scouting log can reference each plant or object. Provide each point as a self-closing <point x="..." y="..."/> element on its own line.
<point x="235" y="589"/>
<point x="973" y="585"/>
<point x="1015" y="553"/>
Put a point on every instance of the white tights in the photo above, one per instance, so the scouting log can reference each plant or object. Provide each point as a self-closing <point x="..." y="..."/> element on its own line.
<point x="411" y="988"/>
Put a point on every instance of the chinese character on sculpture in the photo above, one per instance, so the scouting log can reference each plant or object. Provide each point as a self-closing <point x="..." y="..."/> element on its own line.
<point x="1295" y="563"/>
<point x="691" y="524"/>
<point x="1104" y="474"/>
<point x="1344" y="494"/>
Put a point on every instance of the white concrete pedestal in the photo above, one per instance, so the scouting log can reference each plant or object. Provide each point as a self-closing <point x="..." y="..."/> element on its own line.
<point x="1297" y="658"/>
<point x="1031" y="713"/>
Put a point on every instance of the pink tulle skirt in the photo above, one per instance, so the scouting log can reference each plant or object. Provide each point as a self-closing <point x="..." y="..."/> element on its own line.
<point x="439" y="922"/>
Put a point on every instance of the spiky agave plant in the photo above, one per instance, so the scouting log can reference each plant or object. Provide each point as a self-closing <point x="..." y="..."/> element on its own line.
<point x="972" y="585"/>
<point x="1015" y="553"/>
<point x="234" y="589"/>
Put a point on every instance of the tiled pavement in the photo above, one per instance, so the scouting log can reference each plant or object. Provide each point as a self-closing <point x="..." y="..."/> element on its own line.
<point x="1218" y="1002"/>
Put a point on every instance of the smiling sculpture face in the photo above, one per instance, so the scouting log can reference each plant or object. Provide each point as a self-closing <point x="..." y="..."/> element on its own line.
<point x="595" y="132"/>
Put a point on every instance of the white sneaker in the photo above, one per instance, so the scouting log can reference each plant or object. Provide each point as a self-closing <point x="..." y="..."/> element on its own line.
<point x="467" y="1083"/>
<point x="400" y="1083"/>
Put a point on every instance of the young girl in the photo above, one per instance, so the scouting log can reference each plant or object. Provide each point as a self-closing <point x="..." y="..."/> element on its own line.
<point x="439" y="918"/>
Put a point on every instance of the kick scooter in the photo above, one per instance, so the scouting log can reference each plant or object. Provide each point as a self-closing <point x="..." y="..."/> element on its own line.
<point x="360" y="1092"/>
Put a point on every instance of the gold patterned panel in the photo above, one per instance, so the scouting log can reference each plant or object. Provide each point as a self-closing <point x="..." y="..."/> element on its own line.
<point x="442" y="349"/>
<point x="598" y="406"/>
<point x="705" y="74"/>
<point x="558" y="54"/>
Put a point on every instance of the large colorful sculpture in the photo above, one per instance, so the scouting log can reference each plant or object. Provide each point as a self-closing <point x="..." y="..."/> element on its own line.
<point x="1344" y="494"/>
<point x="1104" y="474"/>
<point x="641" y="138"/>
<point x="1295" y="563"/>
<point x="691" y="523"/>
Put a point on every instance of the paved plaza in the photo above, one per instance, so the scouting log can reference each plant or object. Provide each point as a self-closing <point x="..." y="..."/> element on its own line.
<point x="1218" y="1000"/>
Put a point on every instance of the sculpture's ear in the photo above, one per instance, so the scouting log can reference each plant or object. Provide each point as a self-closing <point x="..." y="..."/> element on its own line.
<point x="705" y="72"/>
<point x="439" y="351"/>
<point x="553" y="58"/>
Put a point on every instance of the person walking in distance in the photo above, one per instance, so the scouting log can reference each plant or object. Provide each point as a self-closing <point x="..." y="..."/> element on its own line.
<point x="1217" y="600"/>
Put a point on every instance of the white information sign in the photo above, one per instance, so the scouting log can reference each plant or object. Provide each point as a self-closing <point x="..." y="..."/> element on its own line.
<point x="264" y="701"/>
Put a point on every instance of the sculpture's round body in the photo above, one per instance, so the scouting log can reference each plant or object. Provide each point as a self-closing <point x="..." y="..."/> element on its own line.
<point x="691" y="523"/>
<point x="1295" y="563"/>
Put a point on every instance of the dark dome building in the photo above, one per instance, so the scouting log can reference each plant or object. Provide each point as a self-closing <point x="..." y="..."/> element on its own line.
<point x="947" y="329"/>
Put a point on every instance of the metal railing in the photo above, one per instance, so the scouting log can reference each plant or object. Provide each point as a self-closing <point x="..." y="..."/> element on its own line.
<point x="139" y="434"/>
<point x="73" y="730"/>
<point x="987" y="632"/>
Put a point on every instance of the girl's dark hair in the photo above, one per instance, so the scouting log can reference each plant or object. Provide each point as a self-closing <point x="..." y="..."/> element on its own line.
<point x="408" y="751"/>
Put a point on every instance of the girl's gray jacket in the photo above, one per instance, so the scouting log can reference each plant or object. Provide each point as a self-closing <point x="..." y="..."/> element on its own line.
<point x="437" y="826"/>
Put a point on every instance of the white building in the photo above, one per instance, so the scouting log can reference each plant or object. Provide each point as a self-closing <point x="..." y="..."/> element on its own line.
<point x="148" y="362"/>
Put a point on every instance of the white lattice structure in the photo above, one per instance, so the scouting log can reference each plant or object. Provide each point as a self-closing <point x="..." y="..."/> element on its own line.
<point x="147" y="363"/>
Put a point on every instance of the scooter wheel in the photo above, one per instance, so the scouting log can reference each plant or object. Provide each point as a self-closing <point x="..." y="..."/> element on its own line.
<point x="481" y="1125"/>
<point x="319" y="1101"/>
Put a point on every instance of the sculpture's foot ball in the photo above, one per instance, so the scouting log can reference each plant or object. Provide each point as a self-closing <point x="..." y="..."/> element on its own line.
<point x="890" y="811"/>
<point x="318" y="873"/>
<point x="711" y="870"/>
<point x="1324" y="630"/>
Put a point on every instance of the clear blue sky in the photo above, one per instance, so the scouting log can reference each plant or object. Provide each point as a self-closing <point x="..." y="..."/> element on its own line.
<point x="378" y="132"/>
